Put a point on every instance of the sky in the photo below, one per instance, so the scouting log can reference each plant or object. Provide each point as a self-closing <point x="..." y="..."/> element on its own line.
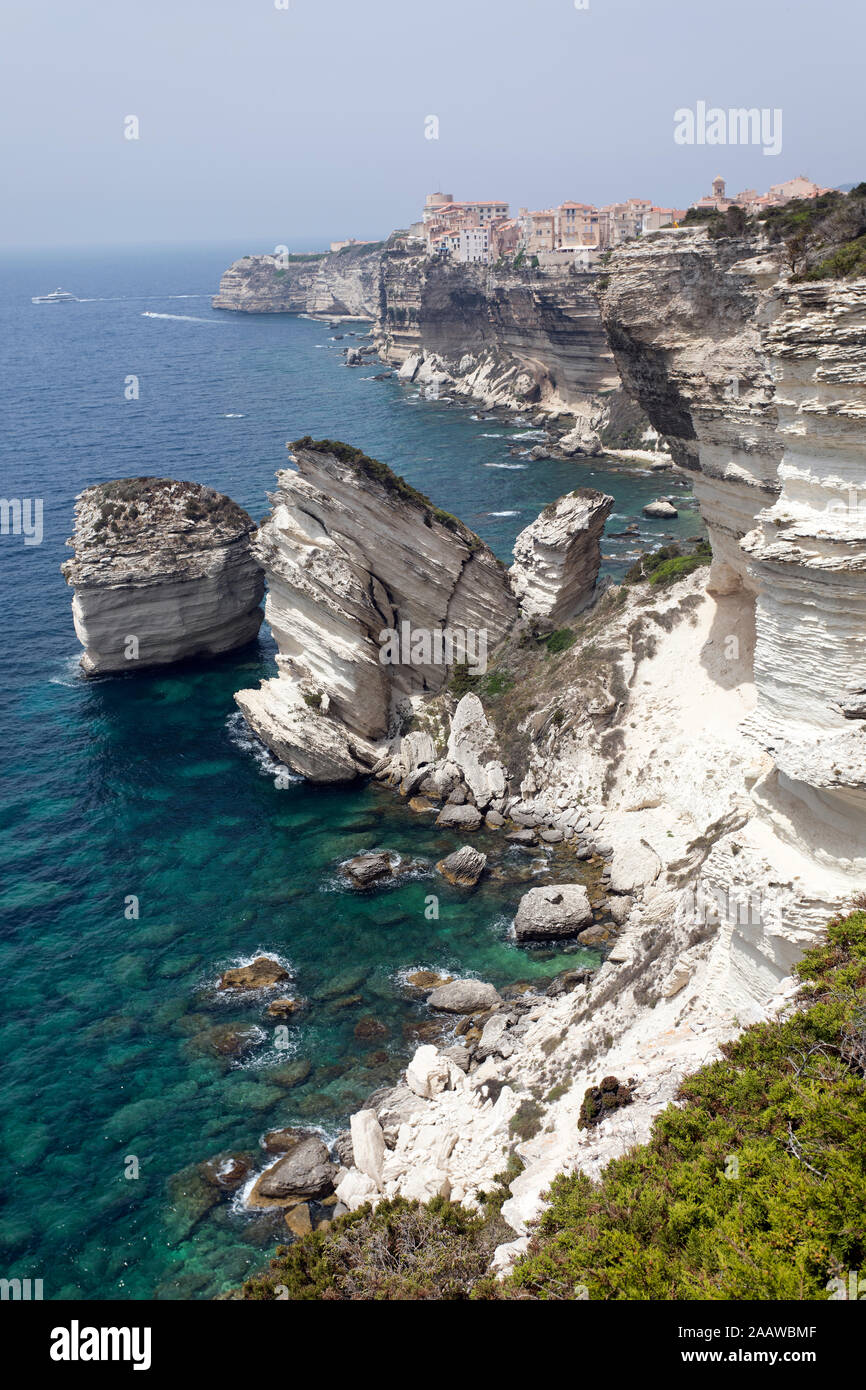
<point x="300" y="124"/>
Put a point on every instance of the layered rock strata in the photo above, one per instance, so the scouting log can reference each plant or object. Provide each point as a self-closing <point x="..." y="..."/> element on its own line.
<point x="505" y="337"/>
<point x="557" y="557"/>
<point x="344" y="284"/>
<point x="162" y="571"/>
<point x="373" y="595"/>
<point x="760" y="385"/>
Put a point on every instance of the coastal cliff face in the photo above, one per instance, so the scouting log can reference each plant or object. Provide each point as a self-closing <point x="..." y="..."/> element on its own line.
<point x="344" y="284"/>
<point x="760" y="384"/>
<point x="514" y="338"/>
<point x="352" y="554"/>
<point x="705" y="736"/>
<point x="162" y="571"/>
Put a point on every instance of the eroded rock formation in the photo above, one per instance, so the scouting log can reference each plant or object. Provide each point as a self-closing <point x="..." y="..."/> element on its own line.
<point x="557" y="557"/>
<point x="368" y="584"/>
<point x="162" y="571"/>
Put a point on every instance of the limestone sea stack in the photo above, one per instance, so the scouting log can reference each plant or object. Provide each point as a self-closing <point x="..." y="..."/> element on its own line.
<point x="162" y="571"/>
<point x="352" y="553"/>
<point x="557" y="557"/>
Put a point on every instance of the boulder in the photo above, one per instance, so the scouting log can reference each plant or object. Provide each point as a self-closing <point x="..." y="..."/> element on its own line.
<point x="261" y="973"/>
<point x="228" y="1171"/>
<point x="464" y="867"/>
<point x="472" y="748"/>
<point x="464" y="997"/>
<point x="553" y="911"/>
<point x="524" y="836"/>
<point x="493" y="1040"/>
<point x="394" y="1107"/>
<point x="365" y="869"/>
<point x="343" y="1149"/>
<point x="427" y="979"/>
<point x="459" y="817"/>
<point x="355" y="1189"/>
<point x="368" y="1144"/>
<point x="282" y="1141"/>
<point x="633" y="867"/>
<point x="596" y="935"/>
<point x="305" y="1171"/>
<point x="660" y="508"/>
<point x="422" y="1184"/>
<point x="429" y="1073"/>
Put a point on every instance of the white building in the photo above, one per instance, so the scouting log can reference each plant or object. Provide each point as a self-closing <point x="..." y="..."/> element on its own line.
<point x="473" y="244"/>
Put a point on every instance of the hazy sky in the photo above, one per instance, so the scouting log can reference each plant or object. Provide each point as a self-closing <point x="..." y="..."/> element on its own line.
<point x="306" y="123"/>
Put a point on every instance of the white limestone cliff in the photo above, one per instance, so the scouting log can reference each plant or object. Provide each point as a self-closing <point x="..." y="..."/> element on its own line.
<point x="341" y="285"/>
<point x="711" y="734"/>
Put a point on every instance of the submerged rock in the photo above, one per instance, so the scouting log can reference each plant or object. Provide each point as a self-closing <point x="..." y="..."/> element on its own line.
<point x="162" y="571"/>
<point x="261" y="973"/>
<point x="283" y="1008"/>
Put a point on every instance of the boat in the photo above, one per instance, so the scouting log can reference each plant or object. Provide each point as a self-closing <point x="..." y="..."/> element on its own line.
<point x="57" y="296"/>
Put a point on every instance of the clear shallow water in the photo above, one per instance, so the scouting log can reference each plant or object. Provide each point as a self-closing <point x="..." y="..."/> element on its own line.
<point x="148" y="785"/>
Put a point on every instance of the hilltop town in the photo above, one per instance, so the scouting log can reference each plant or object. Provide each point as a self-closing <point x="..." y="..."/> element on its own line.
<point x="483" y="231"/>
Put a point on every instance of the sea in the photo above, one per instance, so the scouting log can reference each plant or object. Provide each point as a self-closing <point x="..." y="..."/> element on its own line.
<point x="147" y="844"/>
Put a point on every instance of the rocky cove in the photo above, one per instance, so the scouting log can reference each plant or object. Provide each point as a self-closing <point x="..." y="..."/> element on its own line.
<point x="718" y="801"/>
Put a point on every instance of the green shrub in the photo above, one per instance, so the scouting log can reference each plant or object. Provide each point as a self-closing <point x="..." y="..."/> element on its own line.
<point x="560" y="640"/>
<point x="402" y="1250"/>
<point x="666" y="564"/>
<point x="753" y="1186"/>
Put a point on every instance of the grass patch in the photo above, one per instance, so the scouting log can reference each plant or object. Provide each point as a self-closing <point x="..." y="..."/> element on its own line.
<point x="526" y="1120"/>
<point x="663" y="566"/>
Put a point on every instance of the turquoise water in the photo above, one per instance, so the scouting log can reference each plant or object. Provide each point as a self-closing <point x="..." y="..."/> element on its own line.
<point x="149" y="786"/>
